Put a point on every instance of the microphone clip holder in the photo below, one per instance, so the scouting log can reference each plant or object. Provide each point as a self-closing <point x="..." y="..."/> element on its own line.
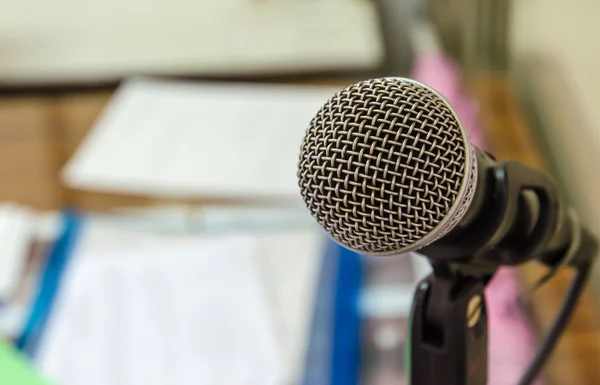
<point x="449" y="332"/>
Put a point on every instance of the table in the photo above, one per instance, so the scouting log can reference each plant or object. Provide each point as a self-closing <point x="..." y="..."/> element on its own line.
<point x="39" y="133"/>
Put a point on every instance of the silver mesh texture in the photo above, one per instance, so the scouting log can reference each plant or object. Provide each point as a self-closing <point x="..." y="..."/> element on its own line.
<point x="386" y="166"/>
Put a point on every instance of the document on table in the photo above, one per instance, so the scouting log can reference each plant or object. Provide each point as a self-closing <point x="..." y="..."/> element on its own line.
<point x="195" y="140"/>
<point x="147" y="309"/>
<point x="16" y="235"/>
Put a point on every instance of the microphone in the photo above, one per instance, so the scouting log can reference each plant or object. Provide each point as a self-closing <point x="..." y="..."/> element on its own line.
<point x="387" y="167"/>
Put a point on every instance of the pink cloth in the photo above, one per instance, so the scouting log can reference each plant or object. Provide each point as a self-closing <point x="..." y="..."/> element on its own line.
<point x="511" y="340"/>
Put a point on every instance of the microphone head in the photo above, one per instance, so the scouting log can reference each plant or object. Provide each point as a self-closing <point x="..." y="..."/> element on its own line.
<point x="386" y="167"/>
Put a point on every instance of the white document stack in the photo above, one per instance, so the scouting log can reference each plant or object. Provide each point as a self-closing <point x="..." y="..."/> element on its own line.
<point x="140" y="308"/>
<point x="196" y="140"/>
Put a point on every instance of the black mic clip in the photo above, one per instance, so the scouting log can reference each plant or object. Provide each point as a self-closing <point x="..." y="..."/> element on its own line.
<point x="521" y="220"/>
<point x="449" y="333"/>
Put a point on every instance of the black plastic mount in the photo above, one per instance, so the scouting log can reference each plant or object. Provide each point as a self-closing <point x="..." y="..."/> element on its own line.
<point x="508" y="228"/>
<point x="449" y="333"/>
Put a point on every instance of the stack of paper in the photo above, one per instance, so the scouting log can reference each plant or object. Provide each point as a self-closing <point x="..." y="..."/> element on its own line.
<point x="140" y="308"/>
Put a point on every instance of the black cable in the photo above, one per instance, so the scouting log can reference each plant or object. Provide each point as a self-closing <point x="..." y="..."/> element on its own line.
<point x="560" y="323"/>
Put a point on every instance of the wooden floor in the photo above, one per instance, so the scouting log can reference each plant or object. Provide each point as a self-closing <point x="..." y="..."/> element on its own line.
<point x="576" y="360"/>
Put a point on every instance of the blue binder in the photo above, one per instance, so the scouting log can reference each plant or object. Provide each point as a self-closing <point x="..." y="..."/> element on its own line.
<point x="48" y="285"/>
<point x="334" y="350"/>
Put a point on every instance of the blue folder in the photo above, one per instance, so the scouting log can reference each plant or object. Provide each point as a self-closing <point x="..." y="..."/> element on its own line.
<point x="49" y="284"/>
<point x="334" y="347"/>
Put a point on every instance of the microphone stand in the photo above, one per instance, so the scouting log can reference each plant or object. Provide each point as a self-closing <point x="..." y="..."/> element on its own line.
<point x="449" y="334"/>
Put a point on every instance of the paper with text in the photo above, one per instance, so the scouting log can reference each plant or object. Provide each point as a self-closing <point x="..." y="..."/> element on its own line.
<point x="17" y="226"/>
<point x="190" y="312"/>
<point x="185" y="140"/>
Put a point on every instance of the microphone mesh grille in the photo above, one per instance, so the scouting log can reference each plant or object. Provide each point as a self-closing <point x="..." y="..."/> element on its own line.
<point x="383" y="164"/>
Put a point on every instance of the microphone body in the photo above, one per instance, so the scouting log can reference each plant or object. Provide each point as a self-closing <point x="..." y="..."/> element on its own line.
<point x="387" y="167"/>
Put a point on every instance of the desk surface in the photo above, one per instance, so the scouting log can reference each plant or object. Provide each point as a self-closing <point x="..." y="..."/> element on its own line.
<point x="46" y="131"/>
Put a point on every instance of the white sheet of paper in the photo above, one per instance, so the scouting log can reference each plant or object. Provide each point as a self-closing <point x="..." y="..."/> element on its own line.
<point x="289" y="253"/>
<point x="292" y="262"/>
<point x="189" y="313"/>
<point x="17" y="224"/>
<point x="266" y="279"/>
<point x="172" y="139"/>
<point x="64" y="41"/>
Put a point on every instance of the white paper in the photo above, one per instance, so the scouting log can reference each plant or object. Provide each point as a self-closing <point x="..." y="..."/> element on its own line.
<point x="292" y="262"/>
<point x="185" y="282"/>
<point x="289" y="254"/>
<point x="183" y="140"/>
<point x="188" y="313"/>
<point x="17" y="226"/>
<point x="67" y="40"/>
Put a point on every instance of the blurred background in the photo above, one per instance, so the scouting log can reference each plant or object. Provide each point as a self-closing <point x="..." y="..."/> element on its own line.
<point x="151" y="228"/>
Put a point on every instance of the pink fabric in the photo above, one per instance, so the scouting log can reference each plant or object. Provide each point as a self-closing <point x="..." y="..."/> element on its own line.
<point x="512" y="343"/>
<point x="438" y="72"/>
